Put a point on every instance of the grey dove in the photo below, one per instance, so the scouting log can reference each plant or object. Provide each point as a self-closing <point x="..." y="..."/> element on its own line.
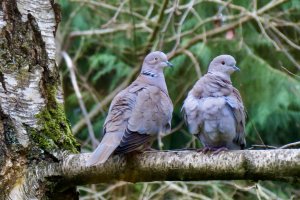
<point x="213" y="109"/>
<point x="138" y="113"/>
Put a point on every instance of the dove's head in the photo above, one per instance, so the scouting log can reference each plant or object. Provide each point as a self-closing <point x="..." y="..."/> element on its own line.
<point x="224" y="64"/>
<point x="156" y="60"/>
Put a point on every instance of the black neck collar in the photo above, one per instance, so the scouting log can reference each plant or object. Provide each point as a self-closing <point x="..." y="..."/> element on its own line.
<point x="148" y="73"/>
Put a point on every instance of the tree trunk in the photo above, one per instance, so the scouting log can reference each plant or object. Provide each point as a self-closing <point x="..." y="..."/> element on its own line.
<point x="34" y="131"/>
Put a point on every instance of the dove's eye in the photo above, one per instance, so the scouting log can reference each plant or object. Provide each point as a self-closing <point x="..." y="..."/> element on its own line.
<point x="223" y="63"/>
<point x="155" y="58"/>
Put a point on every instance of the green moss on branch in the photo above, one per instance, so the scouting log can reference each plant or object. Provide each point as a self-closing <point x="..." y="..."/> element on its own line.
<point x="54" y="128"/>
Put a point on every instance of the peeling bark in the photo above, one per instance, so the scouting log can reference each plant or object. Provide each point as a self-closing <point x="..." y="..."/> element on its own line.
<point x="283" y="164"/>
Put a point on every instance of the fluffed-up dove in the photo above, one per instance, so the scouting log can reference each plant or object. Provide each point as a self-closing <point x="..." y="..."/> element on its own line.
<point x="138" y="113"/>
<point x="213" y="109"/>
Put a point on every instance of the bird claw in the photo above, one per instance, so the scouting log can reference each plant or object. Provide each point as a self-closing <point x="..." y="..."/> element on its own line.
<point x="148" y="149"/>
<point x="220" y="150"/>
<point x="214" y="150"/>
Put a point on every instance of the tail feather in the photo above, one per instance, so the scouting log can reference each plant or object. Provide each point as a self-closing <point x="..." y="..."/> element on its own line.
<point x="107" y="146"/>
<point x="101" y="154"/>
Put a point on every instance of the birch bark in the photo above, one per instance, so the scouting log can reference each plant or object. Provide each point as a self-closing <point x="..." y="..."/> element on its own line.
<point x="33" y="128"/>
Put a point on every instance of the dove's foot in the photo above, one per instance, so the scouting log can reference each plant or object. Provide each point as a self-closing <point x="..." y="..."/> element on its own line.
<point x="175" y="150"/>
<point x="149" y="149"/>
<point x="214" y="150"/>
<point x="218" y="150"/>
<point x="182" y="149"/>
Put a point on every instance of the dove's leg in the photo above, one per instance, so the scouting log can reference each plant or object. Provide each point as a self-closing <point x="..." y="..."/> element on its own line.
<point x="148" y="146"/>
<point x="174" y="150"/>
<point x="215" y="150"/>
<point x="218" y="150"/>
<point x="150" y="149"/>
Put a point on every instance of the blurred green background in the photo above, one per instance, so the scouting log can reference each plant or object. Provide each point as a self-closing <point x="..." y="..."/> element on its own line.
<point x="107" y="41"/>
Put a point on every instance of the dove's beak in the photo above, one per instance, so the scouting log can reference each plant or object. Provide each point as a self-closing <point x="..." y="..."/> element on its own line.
<point x="236" y="68"/>
<point x="169" y="64"/>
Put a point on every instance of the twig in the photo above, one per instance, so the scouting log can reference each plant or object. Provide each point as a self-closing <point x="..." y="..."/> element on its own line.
<point x="167" y="22"/>
<point x="289" y="72"/>
<point x="191" y="143"/>
<point x="143" y="192"/>
<point x="242" y="188"/>
<point x="187" y="11"/>
<point x="285" y="51"/>
<point x="110" y="7"/>
<point x="159" y="190"/>
<point x="113" y="19"/>
<point x="288" y="55"/>
<point x="225" y="27"/>
<point x="61" y="36"/>
<point x="107" y="190"/>
<point x="262" y="146"/>
<point x="70" y="66"/>
<point x="257" y="133"/>
<point x="254" y="5"/>
<point x="194" y="60"/>
<point x="186" y="192"/>
<point x="178" y="127"/>
<point x="272" y="4"/>
<point x="267" y="194"/>
<point x="122" y="27"/>
<point x="202" y="23"/>
<point x="159" y="141"/>
<point x="264" y="32"/>
<point x="150" y="10"/>
<point x="294" y="144"/>
<point x="221" y="192"/>
<point x="112" y="187"/>
<point x="229" y="4"/>
<point x="209" y="33"/>
<point x="157" y="27"/>
<point x="291" y="43"/>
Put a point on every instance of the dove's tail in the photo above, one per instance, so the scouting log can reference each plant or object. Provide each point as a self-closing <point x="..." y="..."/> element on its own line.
<point x="107" y="146"/>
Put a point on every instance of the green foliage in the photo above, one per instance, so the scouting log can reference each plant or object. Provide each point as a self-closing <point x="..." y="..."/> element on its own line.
<point x="274" y="106"/>
<point x="268" y="81"/>
<point x="269" y="92"/>
<point x="105" y="64"/>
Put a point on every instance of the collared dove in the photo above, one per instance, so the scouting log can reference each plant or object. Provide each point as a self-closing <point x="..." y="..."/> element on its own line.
<point x="214" y="110"/>
<point x="138" y="113"/>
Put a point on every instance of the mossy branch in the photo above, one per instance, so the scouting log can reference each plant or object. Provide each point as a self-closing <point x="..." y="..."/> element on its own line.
<point x="281" y="164"/>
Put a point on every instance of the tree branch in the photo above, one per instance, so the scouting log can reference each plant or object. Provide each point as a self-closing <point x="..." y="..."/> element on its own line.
<point x="88" y="122"/>
<point x="281" y="164"/>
